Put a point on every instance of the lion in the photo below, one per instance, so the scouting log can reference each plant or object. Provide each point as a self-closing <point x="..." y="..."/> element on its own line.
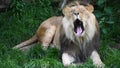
<point x="46" y="35"/>
<point x="79" y="34"/>
<point x="76" y="34"/>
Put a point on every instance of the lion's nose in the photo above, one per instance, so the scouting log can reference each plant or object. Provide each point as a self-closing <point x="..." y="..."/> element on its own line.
<point x="76" y="14"/>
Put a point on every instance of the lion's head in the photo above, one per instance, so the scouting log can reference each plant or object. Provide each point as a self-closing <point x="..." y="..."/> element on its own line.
<point x="80" y="18"/>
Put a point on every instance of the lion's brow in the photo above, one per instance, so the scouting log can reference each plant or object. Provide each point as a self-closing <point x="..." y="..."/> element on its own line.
<point x="78" y="2"/>
<point x="72" y="3"/>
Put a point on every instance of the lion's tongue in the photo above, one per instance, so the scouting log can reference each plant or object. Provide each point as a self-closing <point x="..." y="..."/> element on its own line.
<point x="79" y="31"/>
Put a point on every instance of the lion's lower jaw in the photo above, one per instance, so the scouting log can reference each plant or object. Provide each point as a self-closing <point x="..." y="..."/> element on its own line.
<point x="82" y="34"/>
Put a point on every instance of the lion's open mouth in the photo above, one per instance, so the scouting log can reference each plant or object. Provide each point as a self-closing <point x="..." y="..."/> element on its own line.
<point x="78" y="27"/>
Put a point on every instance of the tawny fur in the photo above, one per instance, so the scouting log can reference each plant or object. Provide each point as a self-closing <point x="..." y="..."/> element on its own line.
<point x="46" y="33"/>
<point x="78" y="48"/>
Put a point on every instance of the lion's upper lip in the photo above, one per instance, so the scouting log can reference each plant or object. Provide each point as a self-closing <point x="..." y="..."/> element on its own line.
<point x="78" y="27"/>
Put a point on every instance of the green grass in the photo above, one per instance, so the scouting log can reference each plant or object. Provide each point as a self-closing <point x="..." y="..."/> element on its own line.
<point x="20" y="23"/>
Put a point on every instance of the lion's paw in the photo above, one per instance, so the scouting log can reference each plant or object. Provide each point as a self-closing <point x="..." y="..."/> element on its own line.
<point x="99" y="64"/>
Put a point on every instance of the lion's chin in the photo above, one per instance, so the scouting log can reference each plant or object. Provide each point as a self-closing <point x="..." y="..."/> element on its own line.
<point x="78" y="27"/>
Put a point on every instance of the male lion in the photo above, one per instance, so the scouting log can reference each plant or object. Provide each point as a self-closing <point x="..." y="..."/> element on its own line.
<point x="79" y="34"/>
<point x="76" y="34"/>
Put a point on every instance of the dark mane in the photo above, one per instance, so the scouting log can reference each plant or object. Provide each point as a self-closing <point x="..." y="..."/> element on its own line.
<point x="74" y="3"/>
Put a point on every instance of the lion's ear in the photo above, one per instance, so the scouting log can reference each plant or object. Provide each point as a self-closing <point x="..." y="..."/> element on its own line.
<point x="90" y="8"/>
<point x="66" y="10"/>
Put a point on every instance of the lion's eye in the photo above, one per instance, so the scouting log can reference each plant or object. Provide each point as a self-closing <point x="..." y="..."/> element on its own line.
<point x="82" y="11"/>
<point x="72" y="11"/>
<point x="72" y="5"/>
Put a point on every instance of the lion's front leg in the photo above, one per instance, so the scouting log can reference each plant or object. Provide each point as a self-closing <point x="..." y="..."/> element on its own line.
<point x="96" y="59"/>
<point x="67" y="59"/>
<point x="49" y="34"/>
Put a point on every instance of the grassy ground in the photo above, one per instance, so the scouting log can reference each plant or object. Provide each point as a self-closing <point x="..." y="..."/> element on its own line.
<point x="21" y="22"/>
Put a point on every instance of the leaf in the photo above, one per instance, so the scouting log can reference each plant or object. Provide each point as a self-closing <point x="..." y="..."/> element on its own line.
<point x="110" y="22"/>
<point x="108" y="10"/>
<point x="100" y="2"/>
<point x="98" y="14"/>
<point x="104" y="30"/>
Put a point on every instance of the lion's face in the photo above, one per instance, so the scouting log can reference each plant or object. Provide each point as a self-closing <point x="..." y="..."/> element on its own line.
<point x="78" y="15"/>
